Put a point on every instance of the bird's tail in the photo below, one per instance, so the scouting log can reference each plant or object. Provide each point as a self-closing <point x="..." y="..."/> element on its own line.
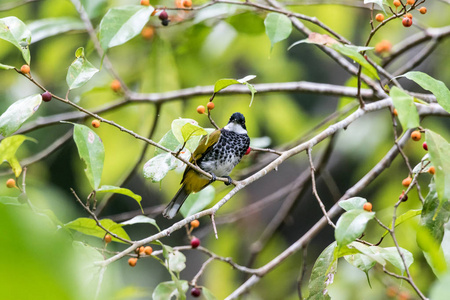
<point x="174" y="206"/>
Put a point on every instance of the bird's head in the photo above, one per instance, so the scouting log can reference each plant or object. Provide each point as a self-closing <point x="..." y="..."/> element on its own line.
<point x="237" y="123"/>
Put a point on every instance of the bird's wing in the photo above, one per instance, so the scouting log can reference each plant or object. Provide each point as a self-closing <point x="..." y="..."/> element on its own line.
<point x="204" y="146"/>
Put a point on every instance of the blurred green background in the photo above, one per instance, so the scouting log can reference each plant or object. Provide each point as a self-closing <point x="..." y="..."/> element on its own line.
<point x="223" y="41"/>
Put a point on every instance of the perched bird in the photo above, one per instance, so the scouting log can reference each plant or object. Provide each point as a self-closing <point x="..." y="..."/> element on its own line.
<point x="216" y="154"/>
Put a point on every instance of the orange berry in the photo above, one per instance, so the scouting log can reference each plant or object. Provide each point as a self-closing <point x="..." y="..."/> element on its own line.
<point x="407" y="22"/>
<point x="391" y="291"/>
<point x="407" y="181"/>
<point x="148" y="250"/>
<point x="416" y="135"/>
<point x="383" y="46"/>
<point x="379" y="17"/>
<point x="187" y="3"/>
<point x="201" y="109"/>
<point x="148" y="32"/>
<point x="179" y="3"/>
<point x="210" y="105"/>
<point x="367" y="206"/>
<point x="132" y="261"/>
<point x="423" y="10"/>
<point x="397" y="3"/>
<point x="395" y="112"/>
<point x="408" y="15"/>
<point x="10" y="183"/>
<point x="195" y="224"/>
<point x="95" y="123"/>
<point x="115" y="85"/>
<point x="403" y="295"/>
<point x="432" y="170"/>
<point x="145" y="2"/>
<point x="25" y="69"/>
<point x="410" y="2"/>
<point x="107" y="239"/>
<point x="141" y="250"/>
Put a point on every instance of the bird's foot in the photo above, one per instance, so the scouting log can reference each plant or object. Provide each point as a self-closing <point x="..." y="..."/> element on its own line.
<point x="229" y="180"/>
<point x="214" y="177"/>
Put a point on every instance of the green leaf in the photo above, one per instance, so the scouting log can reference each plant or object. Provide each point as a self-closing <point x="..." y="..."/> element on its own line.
<point x="176" y="261"/>
<point x="360" y="261"/>
<point x="407" y="111"/>
<point x="189" y="130"/>
<point x="247" y="23"/>
<point x="198" y="201"/>
<point x="16" y="32"/>
<point x="439" y="150"/>
<point x="356" y="56"/>
<point x="94" y="8"/>
<point x="352" y="203"/>
<point x="351" y="225"/>
<point x="44" y="28"/>
<point x="89" y="227"/>
<point x="13" y="118"/>
<point x="322" y="274"/>
<point x="167" y="290"/>
<point x="122" y="191"/>
<point x="437" y="87"/>
<point x="8" y="149"/>
<point x="439" y="289"/>
<point x="208" y="294"/>
<point x="121" y="24"/>
<point x="158" y="167"/>
<point x="379" y="3"/>
<point x="349" y="51"/>
<point x="6" y="67"/>
<point x="80" y="71"/>
<point x="91" y="150"/>
<point x="226" y="82"/>
<point x="391" y="255"/>
<point x="141" y="219"/>
<point x="223" y="83"/>
<point x="403" y="218"/>
<point x="177" y="126"/>
<point x="278" y="28"/>
<point x="373" y="252"/>
<point x="9" y="200"/>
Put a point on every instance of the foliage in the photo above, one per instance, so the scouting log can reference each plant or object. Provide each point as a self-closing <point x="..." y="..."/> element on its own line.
<point x="68" y="225"/>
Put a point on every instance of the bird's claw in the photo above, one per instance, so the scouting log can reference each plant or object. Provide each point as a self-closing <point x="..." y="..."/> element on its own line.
<point x="214" y="177"/>
<point x="229" y="180"/>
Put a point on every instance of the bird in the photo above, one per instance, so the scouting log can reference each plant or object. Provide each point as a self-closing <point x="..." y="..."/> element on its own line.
<point x="217" y="154"/>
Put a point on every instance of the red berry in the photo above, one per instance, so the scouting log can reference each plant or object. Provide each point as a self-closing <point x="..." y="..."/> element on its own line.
<point x="403" y="197"/>
<point x="46" y="96"/>
<point x="195" y="242"/>
<point x="425" y="146"/>
<point x="407" y="22"/>
<point x="195" y="292"/>
<point x="163" y="15"/>
<point x="248" y="151"/>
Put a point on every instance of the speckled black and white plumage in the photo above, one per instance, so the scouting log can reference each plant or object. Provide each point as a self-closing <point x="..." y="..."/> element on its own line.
<point x="226" y="153"/>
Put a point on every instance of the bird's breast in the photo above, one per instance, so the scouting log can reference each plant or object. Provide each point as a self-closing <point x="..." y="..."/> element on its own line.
<point x="225" y="154"/>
